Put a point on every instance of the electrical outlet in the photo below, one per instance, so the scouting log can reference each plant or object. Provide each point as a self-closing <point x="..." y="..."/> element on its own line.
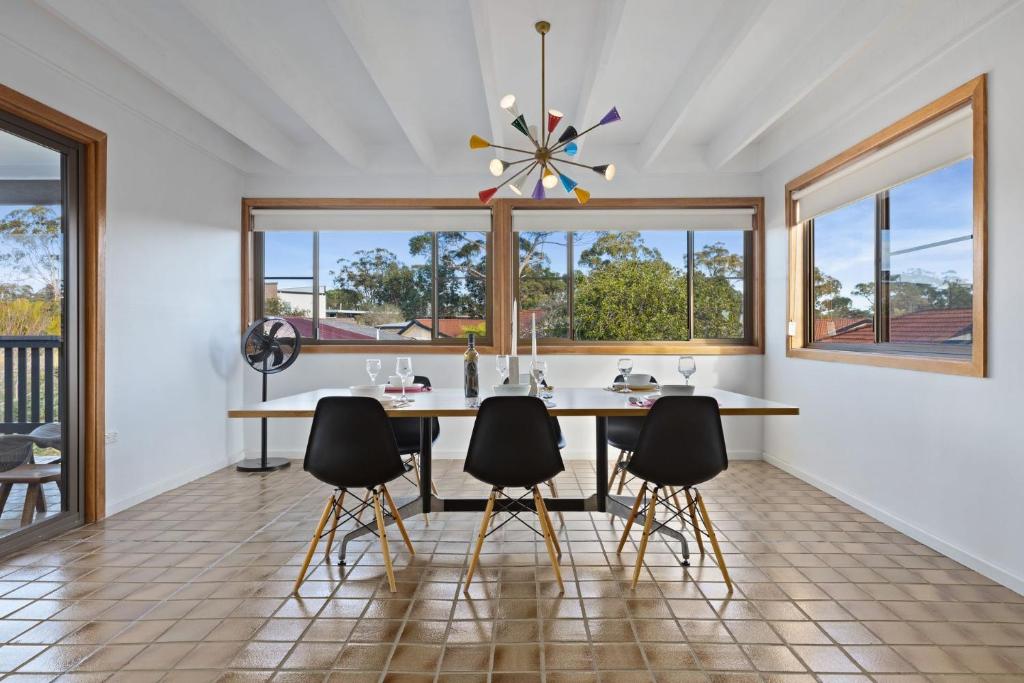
<point x="111" y="437"/>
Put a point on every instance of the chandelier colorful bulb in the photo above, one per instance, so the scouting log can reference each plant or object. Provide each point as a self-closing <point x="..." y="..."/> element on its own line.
<point x="543" y="157"/>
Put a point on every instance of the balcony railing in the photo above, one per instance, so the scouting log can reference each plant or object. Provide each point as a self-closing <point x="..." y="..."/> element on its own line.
<point x="29" y="383"/>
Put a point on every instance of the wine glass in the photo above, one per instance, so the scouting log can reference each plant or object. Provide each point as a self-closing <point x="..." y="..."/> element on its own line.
<point x="403" y="368"/>
<point x="687" y="366"/>
<point x="625" y="368"/>
<point x="538" y="369"/>
<point x="501" y="363"/>
<point x="373" y="369"/>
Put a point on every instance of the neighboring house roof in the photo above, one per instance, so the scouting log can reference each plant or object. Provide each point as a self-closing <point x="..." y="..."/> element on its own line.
<point x="340" y="330"/>
<point x="932" y="326"/>
<point x="828" y="327"/>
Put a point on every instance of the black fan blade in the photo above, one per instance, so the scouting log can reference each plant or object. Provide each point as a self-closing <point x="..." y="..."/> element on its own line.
<point x="261" y="355"/>
<point x="274" y="328"/>
<point x="278" y="357"/>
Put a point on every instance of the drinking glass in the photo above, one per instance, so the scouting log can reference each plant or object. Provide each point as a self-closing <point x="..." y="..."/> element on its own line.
<point x="625" y="368"/>
<point x="687" y="366"/>
<point x="403" y="368"/>
<point x="538" y="369"/>
<point x="373" y="369"/>
<point x="501" y="363"/>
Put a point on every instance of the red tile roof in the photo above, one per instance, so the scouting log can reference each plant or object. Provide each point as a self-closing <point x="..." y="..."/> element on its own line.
<point x="932" y="326"/>
<point x="452" y="327"/>
<point x="825" y="328"/>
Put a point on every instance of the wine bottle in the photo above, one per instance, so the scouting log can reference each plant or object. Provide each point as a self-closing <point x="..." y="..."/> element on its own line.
<point x="471" y="369"/>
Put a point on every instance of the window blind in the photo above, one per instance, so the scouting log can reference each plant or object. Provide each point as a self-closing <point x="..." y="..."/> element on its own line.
<point x="576" y="220"/>
<point x="940" y="143"/>
<point x="372" y="220"/>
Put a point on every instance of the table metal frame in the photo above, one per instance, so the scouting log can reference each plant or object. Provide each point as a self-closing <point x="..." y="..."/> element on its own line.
<point x="601" y="501"/>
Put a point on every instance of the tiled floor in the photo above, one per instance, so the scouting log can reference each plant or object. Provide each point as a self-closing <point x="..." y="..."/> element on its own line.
<point x="194" y="586"/>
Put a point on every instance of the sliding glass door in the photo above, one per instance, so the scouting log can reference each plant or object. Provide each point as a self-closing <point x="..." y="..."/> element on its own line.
<point x="39" y="445"/>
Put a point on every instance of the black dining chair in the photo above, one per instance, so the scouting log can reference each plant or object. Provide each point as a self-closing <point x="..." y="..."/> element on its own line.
<point x="352" y="446"/>
<point x="514" y="446"/>
<point x="622" y="434"/>
<point x="525" y="379"/>
<point x="681" y="445"/>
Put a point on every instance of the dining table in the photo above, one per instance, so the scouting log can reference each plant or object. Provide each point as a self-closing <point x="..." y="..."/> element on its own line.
<point x="599" y="403"/>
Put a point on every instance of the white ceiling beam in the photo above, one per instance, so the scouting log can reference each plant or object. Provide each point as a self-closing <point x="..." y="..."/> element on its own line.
<point x="257" y="46"/>
<point x="165" y="64"/>
<point x="390" y="75"/>
<point x="848" y="33"/>
<point x="611" y="20"/>
<point x="733" y="25"/>
<point x="485" y="42"/>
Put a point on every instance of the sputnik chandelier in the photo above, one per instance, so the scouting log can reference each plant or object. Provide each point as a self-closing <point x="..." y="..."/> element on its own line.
<point x="543" y="155"/>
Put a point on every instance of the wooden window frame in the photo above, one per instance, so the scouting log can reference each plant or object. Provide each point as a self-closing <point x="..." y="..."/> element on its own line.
<point x="92" y="210"/>
<point x="502" y="283"/>
<point x="250" y="276"/>
<point x="753" y="279"/>
<point x="798" y="342"/>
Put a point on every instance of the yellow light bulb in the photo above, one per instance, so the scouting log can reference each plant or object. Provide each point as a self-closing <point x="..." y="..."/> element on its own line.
<point x="550" y="179"/>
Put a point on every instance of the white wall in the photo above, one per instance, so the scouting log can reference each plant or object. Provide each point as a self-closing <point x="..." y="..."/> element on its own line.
<point x="172" y="268"/>
<point x="937" y="456"/>
<point x="737" y="373"/>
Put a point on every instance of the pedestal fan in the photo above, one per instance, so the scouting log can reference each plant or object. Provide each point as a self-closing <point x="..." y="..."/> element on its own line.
<point x="269" y="346"/>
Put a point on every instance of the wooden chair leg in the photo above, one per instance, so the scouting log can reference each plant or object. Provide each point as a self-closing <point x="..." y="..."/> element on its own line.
<point x="312" y="544"/>
<point x="648" y="525"/>
<point x="31" y="496"/>
<point x="554" y="494"/>
<point x="382" y="533"/>
<point x="547" y="516"/>
<point x="615" y="468"/>
<point x="714" y="541"/>
<point x="549" y="537"/>
<point x="5" y="492"/>
<point x="693" y="521"/>
<point x="334" y="526"/>
<point x="632" y="517"/>
<point x="398" y="520"/>
<point x="622" y="477"/>
<point x="480" y="540"/>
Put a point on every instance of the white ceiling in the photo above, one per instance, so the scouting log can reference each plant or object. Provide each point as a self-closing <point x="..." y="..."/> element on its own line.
<point x="397" y="86"/>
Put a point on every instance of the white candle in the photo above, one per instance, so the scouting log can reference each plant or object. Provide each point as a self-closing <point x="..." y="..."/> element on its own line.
<point x="533" y="345"/>
<point x="515" y="327"/>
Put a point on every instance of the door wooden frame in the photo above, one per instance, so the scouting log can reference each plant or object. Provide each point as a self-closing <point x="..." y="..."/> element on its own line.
<point x="93" y="211"/>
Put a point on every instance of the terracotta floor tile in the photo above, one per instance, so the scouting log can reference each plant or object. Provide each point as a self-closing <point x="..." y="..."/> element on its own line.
<point x="195" y="585"/>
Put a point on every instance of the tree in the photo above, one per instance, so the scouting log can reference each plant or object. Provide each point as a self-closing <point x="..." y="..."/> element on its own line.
<point x="631" y="300"/>
<point x="461" y="271"/>
<point x="33" y="249"/>
<point x="829" y="301"/>
<point x="277" y="306"/>
<point x="377" y="278"/>
<point x="541" y="288"/>
<point x="718" y="306"/>
<point x="613" y="246"/>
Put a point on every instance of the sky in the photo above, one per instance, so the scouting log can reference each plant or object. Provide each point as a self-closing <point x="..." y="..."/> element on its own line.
<point x="934" y="207"/>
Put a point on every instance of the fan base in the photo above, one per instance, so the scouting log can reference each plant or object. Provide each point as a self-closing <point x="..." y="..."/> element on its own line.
<point x="256" y="465"/>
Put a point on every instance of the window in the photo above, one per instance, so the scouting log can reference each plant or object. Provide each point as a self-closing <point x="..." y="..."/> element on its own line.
<point x="892" y="241"/>
<point x="364" y="276"/>
<point x="628" y="279"/>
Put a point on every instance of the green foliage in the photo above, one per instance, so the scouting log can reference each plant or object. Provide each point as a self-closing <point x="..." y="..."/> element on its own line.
<point x="278" y="306"/>
<point x="829" y="301"/>
<point x="626" y="291"/>
<point x="31" y="275"/>
<point x="631" y="300"/>
<point x="376" y="277"/>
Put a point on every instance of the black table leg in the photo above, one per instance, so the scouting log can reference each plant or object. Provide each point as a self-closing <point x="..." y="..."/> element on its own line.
<point x="602" y="463"/>
<point x="426" y="434"/>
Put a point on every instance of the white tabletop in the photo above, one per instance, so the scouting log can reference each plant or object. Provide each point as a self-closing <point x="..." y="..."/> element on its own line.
<point x="566" y="402"/>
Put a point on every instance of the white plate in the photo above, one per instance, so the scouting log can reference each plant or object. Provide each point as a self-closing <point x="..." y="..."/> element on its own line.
<point x="398" y="387"/>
